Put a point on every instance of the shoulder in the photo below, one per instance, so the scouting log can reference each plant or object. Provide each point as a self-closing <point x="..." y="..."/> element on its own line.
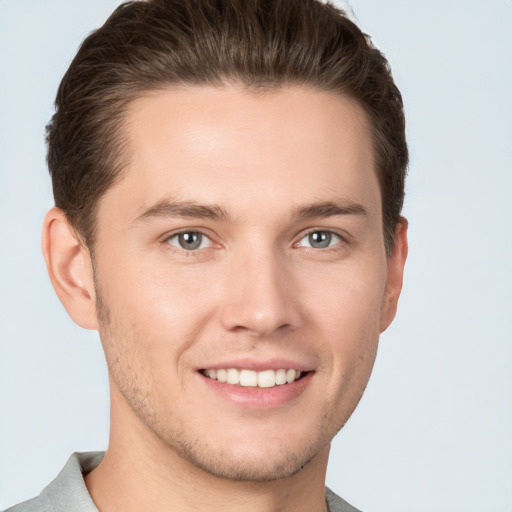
<point x="33" y="505"/>
<point x="67" y="493"/>
<point x="337" y="504"/>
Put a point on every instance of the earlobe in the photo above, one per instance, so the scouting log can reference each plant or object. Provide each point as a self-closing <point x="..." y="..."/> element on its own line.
<point x="70" y="269"/>
<point x="395" y="272"/>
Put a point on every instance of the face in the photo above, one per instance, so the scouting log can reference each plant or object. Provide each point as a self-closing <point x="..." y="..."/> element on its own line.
<point x="241" y="275"/>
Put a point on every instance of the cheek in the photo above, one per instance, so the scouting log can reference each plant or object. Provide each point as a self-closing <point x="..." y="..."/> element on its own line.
<point x="158" y="310"/>
<point x="347" y="310"/>
<point x="350" y="295"/>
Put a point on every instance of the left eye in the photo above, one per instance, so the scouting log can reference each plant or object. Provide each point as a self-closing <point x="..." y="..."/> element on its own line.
<point x="189" y="240"/>
<point x="320" y="240"/>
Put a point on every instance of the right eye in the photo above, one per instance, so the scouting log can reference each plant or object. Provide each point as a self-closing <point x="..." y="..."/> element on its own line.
<point x="189" y="240"/>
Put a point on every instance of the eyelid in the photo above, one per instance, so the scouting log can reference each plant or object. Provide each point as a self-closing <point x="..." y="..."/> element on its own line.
<point x="343" y="238"/>
<point x="205" y="233"/>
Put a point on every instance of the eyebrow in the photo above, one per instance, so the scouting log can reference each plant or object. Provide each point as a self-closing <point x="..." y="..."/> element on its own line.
<point x="330" y="209"/>
<point x="191" y="209"/>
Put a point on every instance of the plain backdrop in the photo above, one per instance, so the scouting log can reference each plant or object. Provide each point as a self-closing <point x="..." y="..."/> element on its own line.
<point x="434" y="429"/>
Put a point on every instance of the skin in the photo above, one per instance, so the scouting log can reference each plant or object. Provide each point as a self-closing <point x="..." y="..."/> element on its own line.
<point x="255" y="290"/>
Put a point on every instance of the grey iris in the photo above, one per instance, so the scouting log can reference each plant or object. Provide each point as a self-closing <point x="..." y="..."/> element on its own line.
<point x="320" y="239"/>
<point x="190" y="240"/>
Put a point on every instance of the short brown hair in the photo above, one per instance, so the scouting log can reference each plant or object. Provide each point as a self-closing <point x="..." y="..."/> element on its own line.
<point x="149" y="45"/>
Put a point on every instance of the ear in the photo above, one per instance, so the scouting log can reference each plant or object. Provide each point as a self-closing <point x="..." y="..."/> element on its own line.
<point x="395" y="275"/>
<point x="70" y="269"/>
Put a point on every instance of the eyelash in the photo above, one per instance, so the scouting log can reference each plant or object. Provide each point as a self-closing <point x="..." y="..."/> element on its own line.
<point x="203" y="236"/>
<point x="329" y="232"/>
<point x="191" y="251"/>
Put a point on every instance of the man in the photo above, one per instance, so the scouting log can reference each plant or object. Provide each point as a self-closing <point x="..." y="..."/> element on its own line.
<point x="228" y="179"/>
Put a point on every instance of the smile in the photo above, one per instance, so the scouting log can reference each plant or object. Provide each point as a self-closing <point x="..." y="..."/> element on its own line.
<point x="251" y="378"/>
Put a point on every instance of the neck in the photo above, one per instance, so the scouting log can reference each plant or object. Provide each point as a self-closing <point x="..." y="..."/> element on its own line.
<point x="140" y="472"/>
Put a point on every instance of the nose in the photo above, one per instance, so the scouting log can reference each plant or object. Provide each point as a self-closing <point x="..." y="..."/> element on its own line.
<point x="260" y="296"/>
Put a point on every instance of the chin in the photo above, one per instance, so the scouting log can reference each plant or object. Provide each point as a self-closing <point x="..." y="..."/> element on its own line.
<point x="249" y="466"/>
<point x="247" y="456"/>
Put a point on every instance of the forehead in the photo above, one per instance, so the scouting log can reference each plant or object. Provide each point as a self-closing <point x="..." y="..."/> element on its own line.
<point x="229" y="146"/>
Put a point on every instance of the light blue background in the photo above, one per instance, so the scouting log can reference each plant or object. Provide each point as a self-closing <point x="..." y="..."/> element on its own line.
<point x="434" y="430"/>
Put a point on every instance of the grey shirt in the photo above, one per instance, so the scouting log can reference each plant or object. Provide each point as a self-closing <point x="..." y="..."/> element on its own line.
<point x="68" y="493"/>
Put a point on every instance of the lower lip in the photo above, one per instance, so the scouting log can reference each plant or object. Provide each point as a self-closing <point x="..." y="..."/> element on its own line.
<point x="259" y="398"/>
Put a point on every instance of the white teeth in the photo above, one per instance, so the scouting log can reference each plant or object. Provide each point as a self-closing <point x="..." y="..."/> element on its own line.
<point x="267" y="379"/>
<point x="280" y="377"/>
<point x="251" y="378"/>
<point x="248" y="378"/>
<point x="290" y="376"/>
<point x="233" y="376"/>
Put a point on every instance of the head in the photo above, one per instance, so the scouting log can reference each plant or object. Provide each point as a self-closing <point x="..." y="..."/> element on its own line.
<point x="260" y="45"/>
<point x="229" y="177"/>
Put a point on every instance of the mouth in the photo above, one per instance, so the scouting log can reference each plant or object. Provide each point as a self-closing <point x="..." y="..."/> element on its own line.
<point x="254" y="379"/>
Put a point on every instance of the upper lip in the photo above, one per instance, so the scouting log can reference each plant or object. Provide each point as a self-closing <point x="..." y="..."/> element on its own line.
<point x="259" y="365"/>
